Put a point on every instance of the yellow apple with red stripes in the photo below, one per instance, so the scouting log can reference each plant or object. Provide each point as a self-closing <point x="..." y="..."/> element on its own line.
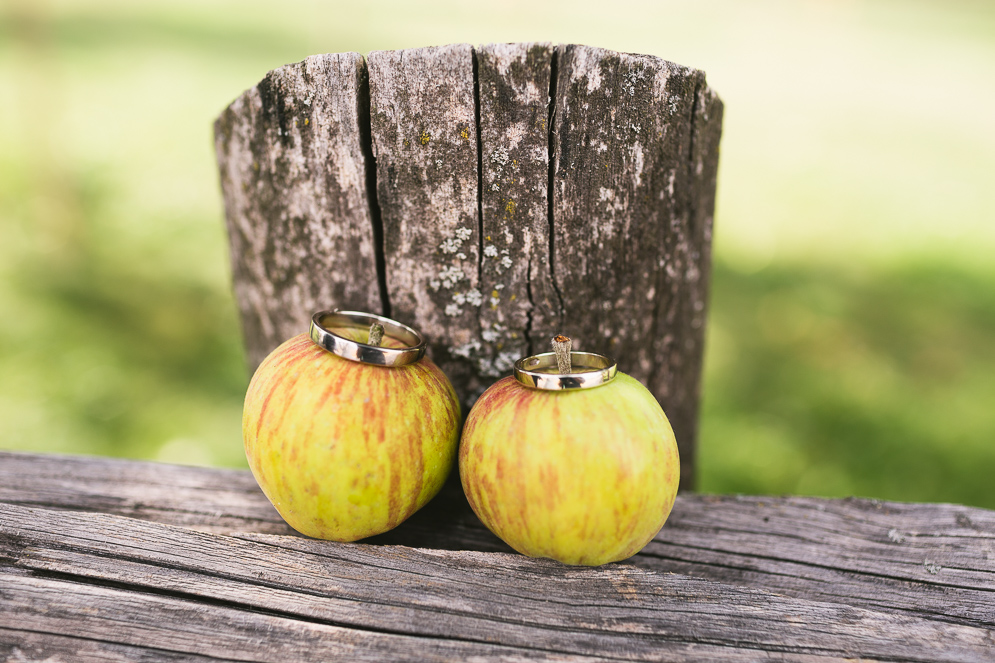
<point x="583" y="476"/>
<point x="345" y="449"/>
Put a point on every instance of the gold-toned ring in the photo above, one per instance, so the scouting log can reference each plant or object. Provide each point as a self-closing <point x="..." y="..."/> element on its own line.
<point x="589" y="370"/>
<point x="354" y="351"/>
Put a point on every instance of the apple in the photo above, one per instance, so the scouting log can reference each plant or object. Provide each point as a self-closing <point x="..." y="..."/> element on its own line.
<point x="583" y="476"/>
<point x="346" y="449"/>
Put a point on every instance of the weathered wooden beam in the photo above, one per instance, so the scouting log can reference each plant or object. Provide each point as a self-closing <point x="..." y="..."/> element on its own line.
<point x="125" y="619"/>
<point x="488" y="245"/>
<point x="930" y="560"/>
<point x="293" y="175"/>
<point x="266" y="597"/>
<point x="20" y="644"/>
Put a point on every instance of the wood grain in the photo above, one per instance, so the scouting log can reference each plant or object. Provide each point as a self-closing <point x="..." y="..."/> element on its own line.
<point x="135" y="583"/>
<point x="293" y="175"/>
<point x="927" y="560"/>
<point x="123" y="618"/>
<point x="18" y="645"/>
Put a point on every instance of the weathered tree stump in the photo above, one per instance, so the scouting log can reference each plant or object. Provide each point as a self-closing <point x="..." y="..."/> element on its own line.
<point x="491" y="197"/>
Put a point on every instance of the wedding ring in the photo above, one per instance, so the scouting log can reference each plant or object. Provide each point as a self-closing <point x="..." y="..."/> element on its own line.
<point x="323" y="321"/>
<point x="588" y="370"/>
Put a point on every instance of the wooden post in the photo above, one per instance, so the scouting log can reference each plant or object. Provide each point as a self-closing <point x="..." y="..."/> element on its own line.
<point x="492" y="197"/>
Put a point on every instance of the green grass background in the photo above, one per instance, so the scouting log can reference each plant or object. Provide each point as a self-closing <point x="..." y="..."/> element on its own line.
<point x="851" y="341"/>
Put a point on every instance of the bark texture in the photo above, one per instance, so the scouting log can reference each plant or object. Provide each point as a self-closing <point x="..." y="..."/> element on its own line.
<point x="521" y="306"/>
<point x="424" y="128"/>
<point x="628" y="261"/>
<point x="293" y="175"/>
<point x="507" y="193"/>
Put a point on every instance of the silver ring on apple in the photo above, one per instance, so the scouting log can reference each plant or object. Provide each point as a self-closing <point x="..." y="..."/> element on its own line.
<point x="588" y="370"/>
<point x="337" y="331"/>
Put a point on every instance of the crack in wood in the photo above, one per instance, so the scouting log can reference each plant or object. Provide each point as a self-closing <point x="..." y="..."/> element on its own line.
<point x="551" y="186"/>
<point x="370" y="169"/>
<point x="480" y="177"/>
<point x="530" y="313"/>
<point x="71" y="647"/>
<point x="850" y="571"/>
<point x="299" y="616"/>
<point x="257" y="630"/>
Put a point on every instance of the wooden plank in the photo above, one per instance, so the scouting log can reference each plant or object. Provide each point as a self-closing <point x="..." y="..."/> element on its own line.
<point x="424" y="131"/>
<point x="521" y="310"/>
<point x="209" y="499"/>
<point x="178" y="625"/>
<point x="622" y="200"/>
<point x="293" y="174"/>
<point x="133" y="582"/>
<point x="928" y="559"/>
<point x="934" y="560"/>
<point x="18" y="645"/>
<point x="215" y="500"/>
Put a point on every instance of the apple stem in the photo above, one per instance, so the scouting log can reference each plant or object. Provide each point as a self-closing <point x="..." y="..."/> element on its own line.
<point x="376" y="335"/>
<point x="561" y="346"/>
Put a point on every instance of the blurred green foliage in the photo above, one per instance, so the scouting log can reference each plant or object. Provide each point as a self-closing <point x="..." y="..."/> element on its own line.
<point x="850" y="346"/>
<point x="841" y="381"/>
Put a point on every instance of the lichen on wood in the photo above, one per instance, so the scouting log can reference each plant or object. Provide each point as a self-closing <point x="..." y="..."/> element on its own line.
<point x="424" y="131"/>
<point x="514" y="82"/>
